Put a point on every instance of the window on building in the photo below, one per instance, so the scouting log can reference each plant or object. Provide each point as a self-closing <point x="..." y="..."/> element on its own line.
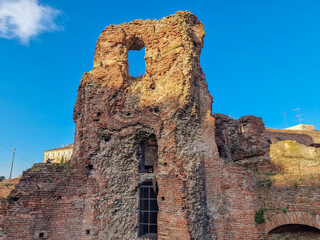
<point x="148" y="155"/>
<point x="148" y="210"/>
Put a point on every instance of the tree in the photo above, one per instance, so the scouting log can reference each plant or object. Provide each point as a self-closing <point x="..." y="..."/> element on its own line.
<point x="2" y="178"/>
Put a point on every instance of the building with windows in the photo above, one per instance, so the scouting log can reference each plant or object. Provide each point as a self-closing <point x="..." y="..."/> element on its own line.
<point x="58" y="155"/>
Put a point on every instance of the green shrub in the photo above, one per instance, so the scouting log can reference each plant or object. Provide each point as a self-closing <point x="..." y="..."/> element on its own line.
<point x="265" y="182"/>
<point x="259" y="216"/>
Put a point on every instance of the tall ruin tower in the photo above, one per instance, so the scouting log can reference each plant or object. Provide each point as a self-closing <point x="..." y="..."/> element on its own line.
<point x="147" y="139"/>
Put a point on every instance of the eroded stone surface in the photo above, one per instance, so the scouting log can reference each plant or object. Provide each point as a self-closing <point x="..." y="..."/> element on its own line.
<point x="211" y="173"/>
<point x="240" y="139"/>
<point x="170" y="101"/>
<point x="295" y="158"/>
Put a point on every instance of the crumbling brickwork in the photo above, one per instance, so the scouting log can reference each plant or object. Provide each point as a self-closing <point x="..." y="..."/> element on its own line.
<point x="115" y="113"/>
<point x="47" y="203"/>
<point x="308" y="138"/>
<point x="240" y="139"/>
<point x="154" y="137"/>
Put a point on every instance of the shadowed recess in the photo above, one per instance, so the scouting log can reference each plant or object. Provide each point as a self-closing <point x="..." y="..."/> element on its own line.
<point x="295" y="228"/>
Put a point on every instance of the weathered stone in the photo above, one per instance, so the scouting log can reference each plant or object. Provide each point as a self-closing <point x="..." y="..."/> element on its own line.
<point x="240" y="139"/>
<point x="170" y="102"/>
<point x="309" y="138"/>
<point x="295" y="158"/>
<point x="156" y="128"/>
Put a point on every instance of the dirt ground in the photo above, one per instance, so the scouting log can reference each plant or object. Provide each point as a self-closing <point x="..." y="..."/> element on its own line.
<point x="7" y="185"/>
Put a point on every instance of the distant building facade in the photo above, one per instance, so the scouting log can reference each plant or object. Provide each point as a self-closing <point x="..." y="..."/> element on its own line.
<point x="58" y="155"/>
<point x="302" y="127"/>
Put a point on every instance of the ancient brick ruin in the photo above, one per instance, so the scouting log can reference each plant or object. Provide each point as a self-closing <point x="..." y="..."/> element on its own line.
<point x="151" y="161"/>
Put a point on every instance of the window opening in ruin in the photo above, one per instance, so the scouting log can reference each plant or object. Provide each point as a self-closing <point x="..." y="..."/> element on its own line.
<point x="137" y="64"/>
<point x="107" y="138"/>
<point x="148" y="155"/>
<point x="89" y="167"/>
<point x="15" y="199"/>
<point x="41" y="235"/>
<point x="148" y="210"/>
<point x="88" y="231"/>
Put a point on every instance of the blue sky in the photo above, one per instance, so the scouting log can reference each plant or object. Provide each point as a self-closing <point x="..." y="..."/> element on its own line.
<point x="260" y="57"/>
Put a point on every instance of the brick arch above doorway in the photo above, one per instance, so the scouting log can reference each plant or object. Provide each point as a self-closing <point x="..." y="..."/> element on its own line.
<point x="303" y="218"/>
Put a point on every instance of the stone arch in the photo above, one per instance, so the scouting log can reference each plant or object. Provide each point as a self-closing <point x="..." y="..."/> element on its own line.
<point x="303" y="218"/>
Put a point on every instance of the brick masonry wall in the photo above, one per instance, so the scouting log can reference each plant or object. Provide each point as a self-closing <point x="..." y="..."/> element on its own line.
<point x="262" y="178"/>
<point x="48" y="200"/>
<point x="233" y="202"/>
<point x="291" y="205"/>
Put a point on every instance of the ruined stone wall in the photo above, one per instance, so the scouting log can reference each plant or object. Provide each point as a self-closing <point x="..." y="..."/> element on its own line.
<point x="244" y="152"/>
<point x="280" y="179"/>
<point x="47" y="203"/>
<point x="212" y="173"/>
<point x="304" y="137"/>
<point x="115" y="112"/>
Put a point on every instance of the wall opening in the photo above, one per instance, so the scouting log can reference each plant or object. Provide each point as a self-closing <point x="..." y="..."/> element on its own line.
<point x="89" y="167"/>
<point x="295" y="228"/>
<point x="15" y="199"/>
<point x="148" y="155"/>
<point x="295" y="232"/>
<point x="137" y="64"/>
<point x="148" y="210"/>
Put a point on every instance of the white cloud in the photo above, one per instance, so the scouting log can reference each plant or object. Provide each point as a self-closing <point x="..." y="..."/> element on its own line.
<point x="25" y="19"/>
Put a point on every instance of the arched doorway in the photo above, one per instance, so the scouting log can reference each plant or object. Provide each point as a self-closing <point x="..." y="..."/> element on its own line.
<point x="295" y="232"/>
<point x="293" y="226"/>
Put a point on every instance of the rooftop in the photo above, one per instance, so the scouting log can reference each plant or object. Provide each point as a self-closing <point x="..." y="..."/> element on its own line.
<point x="305" y="127"/>
<point x="69" y="146"/>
